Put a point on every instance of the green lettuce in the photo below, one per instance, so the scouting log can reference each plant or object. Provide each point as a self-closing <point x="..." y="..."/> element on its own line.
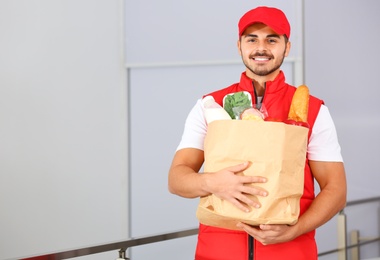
<point x="238" y="99"/>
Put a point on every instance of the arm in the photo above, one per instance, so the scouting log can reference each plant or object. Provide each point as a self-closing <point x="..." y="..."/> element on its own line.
<point x="332" y="198"/>
<point x="331" y="178"/>
<point x="184" y="180"/>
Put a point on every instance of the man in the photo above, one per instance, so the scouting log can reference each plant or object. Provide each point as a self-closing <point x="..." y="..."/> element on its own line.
<point x="263" y="44"/>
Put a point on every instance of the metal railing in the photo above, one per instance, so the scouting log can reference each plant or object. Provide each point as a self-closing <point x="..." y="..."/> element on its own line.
<point x="355" y="239"/>
<point x="122" y="246"/>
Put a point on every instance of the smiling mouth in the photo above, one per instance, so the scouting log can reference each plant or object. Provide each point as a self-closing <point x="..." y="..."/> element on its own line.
<point x="261" y="58"/>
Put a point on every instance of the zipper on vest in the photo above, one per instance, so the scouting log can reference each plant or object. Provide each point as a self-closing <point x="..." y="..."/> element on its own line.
<point x="258" y="106"/>
<point x="265" y="90"/>
<point x="250" y="247"/>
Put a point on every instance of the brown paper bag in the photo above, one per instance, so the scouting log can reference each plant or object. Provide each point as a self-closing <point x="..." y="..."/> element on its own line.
<point x="276" y="151"/>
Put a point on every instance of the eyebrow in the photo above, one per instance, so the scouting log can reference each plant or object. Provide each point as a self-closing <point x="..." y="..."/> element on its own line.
<point x="268" y="36"/>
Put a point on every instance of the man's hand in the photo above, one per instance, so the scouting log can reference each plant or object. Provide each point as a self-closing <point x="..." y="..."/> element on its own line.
<point x="269" y="234"/>
<point x="226" y="184"/>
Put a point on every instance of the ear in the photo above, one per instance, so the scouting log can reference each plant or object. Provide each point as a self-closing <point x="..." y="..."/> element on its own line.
<point x="287" y="48"/>
<point x="238" y="46"/>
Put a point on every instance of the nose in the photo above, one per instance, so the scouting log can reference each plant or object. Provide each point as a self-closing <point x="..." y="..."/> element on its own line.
<point x="261" y="46"/>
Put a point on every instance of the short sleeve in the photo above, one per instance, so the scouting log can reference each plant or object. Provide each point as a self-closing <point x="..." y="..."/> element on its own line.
<point x="195" y="129"/>
<point x="323" y="144"/>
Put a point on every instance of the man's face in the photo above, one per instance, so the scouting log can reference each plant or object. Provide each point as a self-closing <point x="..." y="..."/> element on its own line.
<point x="262" y="51"/>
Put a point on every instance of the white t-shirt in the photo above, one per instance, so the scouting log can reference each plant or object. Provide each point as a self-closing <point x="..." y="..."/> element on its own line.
<point x="323" y="144"/>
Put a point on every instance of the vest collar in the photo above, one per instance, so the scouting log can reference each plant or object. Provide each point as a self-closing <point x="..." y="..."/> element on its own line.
<point x="276" y="85"/>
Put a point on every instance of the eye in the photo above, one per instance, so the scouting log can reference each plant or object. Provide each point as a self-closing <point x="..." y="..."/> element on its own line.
<point x="272" y="40"/>
<point x="251" y="39"/>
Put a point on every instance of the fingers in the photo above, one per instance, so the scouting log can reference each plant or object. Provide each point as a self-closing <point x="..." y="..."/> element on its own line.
<point x="247" y="203"/>
<point x="254" y="191"/>
<point x="269" y="233"/>
<point x="238" y="189"/>
<point x="241" y="198"/>
<point x="245" y="199"/>
<point x="267" y="227"/>
<point x="253" y="179"/>
<point x="238" y="168"/>
<point x="239" y="205"/>
<point x="246" y="179"/>
<point x="245" y="227"/>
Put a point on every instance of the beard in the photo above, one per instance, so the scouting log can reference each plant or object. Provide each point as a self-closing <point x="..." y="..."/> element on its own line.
<point x="263" y="70"/>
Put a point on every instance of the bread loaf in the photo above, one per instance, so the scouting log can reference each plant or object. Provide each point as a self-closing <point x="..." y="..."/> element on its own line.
<point x="299" y="107"/>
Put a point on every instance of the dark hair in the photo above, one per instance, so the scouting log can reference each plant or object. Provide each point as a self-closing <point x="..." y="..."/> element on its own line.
<point x="286" y="38"/>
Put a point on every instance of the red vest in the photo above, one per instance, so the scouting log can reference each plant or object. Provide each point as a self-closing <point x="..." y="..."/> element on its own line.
<point x="222" y="244"/>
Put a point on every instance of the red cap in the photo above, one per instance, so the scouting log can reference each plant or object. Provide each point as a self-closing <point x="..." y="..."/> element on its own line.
<point x="270" y="16"/>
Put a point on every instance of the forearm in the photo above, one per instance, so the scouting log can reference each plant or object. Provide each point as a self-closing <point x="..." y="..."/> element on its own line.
<point x="324" y="207"/>
<point x="185" y="182"/>
<point x="332" y="198"/>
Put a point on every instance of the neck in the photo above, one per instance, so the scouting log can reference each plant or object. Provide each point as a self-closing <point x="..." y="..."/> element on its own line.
<point x="259" y="87"/>
<point x="259" y="81"/>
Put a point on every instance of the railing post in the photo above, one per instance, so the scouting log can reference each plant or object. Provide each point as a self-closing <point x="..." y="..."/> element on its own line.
<point x="354" y="241"/>
<point x="122" y="255"/>
<point x="342" y="236"/>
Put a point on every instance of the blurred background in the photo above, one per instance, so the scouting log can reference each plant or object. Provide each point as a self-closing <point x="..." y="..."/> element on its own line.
<point x="94" y="96"/>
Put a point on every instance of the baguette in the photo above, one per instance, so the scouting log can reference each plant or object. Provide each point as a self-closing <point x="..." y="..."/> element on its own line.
<point x="299" y="107"/>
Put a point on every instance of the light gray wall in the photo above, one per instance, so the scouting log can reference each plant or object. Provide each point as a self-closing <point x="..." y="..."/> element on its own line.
<point x="341" y="66"/>
<point x="341" y="55"/>
<point x="63" y="161"/>
<point x="63" y="150"/>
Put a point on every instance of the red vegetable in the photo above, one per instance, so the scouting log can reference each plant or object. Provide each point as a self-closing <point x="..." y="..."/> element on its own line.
<point x="297" y="123"/>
